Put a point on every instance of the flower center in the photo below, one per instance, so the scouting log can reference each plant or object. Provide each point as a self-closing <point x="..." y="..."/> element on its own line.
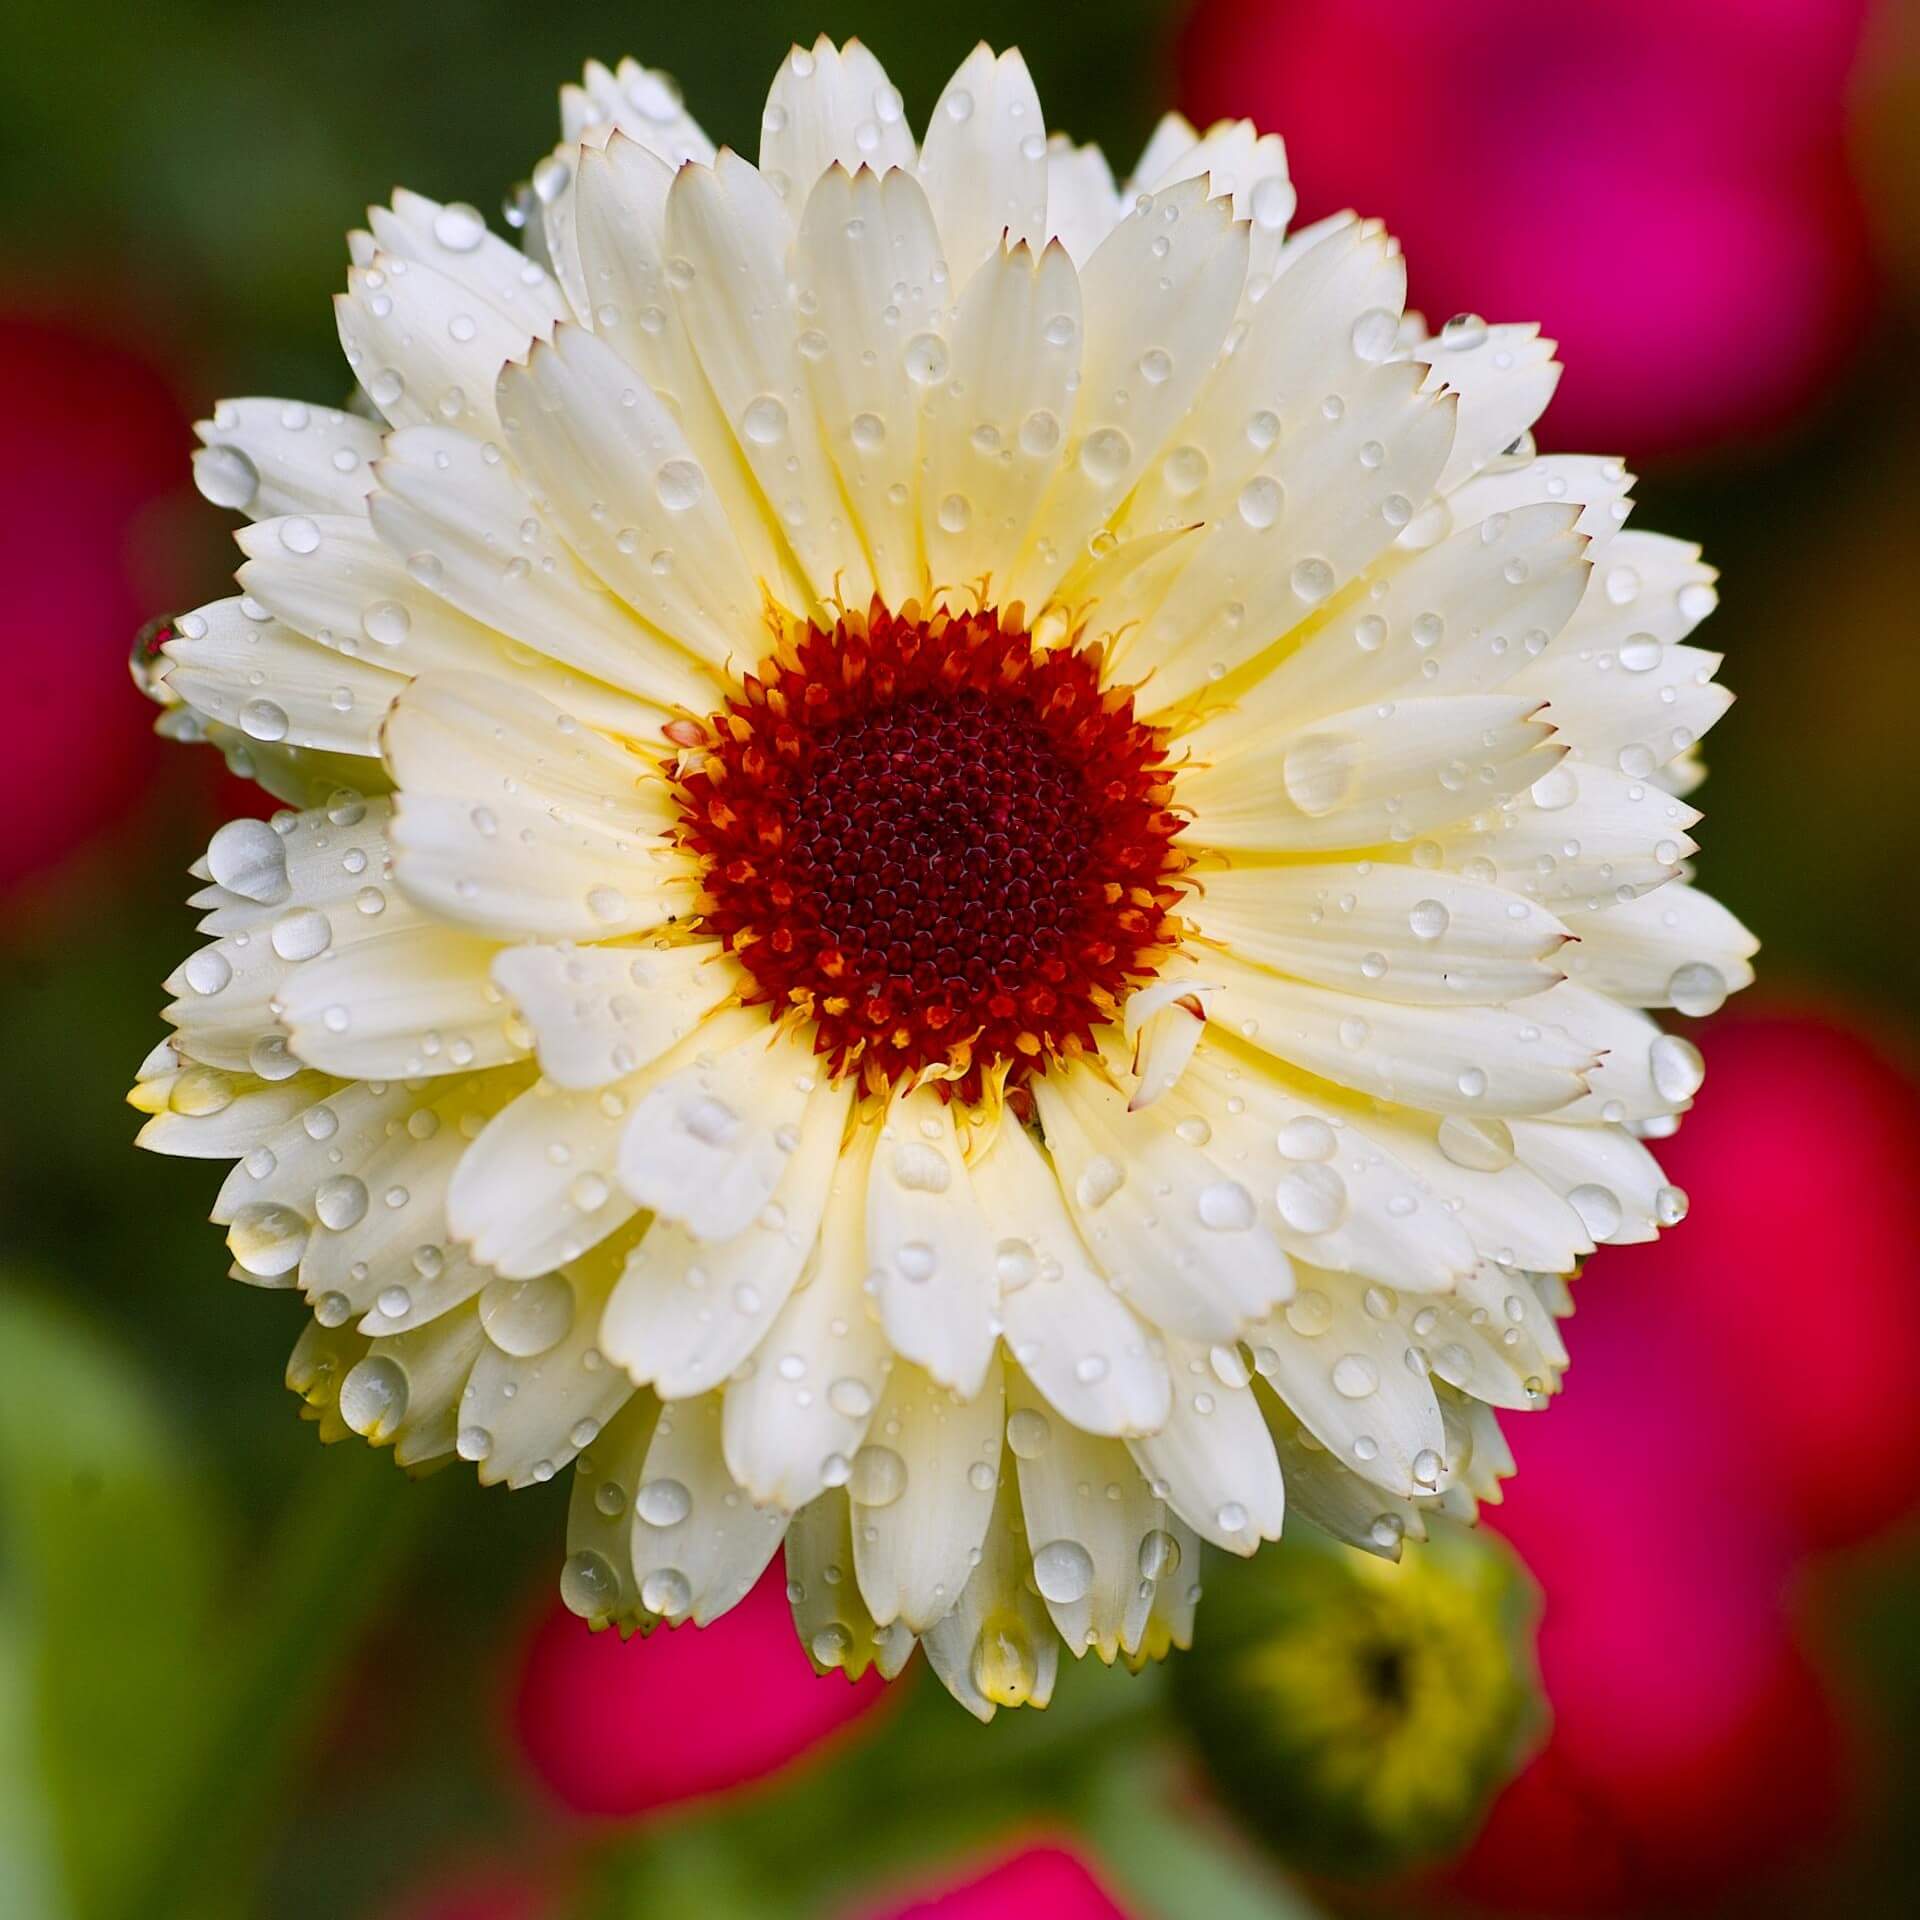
<point x="946" y="847"/>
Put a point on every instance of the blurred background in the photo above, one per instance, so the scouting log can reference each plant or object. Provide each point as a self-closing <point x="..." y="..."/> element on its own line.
<point x="239" y="1677"/>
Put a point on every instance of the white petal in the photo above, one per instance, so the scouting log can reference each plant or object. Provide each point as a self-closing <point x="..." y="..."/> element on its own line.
<point x="710" y="1142"/>
<point x="297" y="458"/>
<point x="1326" y="504"/>
<point x="1575" y="839"/>
<point x="435" y="1362"/>
<point x="1328" y="1190"/>
<point x="336" y="580"/>
<point x="1213" y="1462"/>
<point x="930" y="1247"/>
<point x="469" y="529"/>
<point x="624" y="258"/>
<point x="1672" y="946"/>
<point x="243" y="1113"/>
<point x="687" y="1312"/>
<point x="1370" y="774"/>
<point x="727" y="225"/>
<point x="454" y="241"/>
<point x="870" y="283"/>
<point x="995" y="1647"/>
<point x="1154" y="325"/>
<point x="796" y="1419"/>
<point x="699" y="1543"/>
<point x="1504" y="375"/>
<point x="538" y="1408"/>
<point x="1643" y="1073"/>
<point x="1450" y="620"/>
<point x="1387" y="931"/>
<point x="923" y="1490"/>
<point x="1322" y="1489"/>
<point x="397" y="1005"/>
<point x="537" y="1188"/>
<point x="1083" y="204"/>
<point x="425" y="348"/>
<point x="598" y="1581"/>
<point x="1179" y="1239"/>
<point x="269" y="682"/>
<point x="1081" y="1347"/>
<point x="624" y="484"/>
<point x="600" y="1013"/>
<point x="995" y="434"/>
<point x="1609" y="1178"/>
<point x="828" y="1613"/>
<point x="1297" y="348"/>
<point x="1355" y="1382"/>
<point x="470" y="736"/>
<point x="830" y="105"/>
<point x="1446" y="1059"/>
<point x="984" y="160"/>
<point x="1103" y="1534"/>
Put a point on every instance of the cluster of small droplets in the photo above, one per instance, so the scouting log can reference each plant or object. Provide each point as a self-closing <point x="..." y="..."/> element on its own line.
<point x="947" y="847"/>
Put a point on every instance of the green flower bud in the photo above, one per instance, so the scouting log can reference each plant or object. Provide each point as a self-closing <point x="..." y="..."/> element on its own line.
<point x="1359" y="1713"/>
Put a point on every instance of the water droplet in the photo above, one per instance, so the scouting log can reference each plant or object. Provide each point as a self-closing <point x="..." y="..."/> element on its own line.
<point x="663" y="1503"/>
<point x="1311" y="1199"/>
<point x="588" y="1585"/>
<point x="1260" y="502"/>
<point x="248" y="858"/>
<point x="878" y="1478"/>
<point x="679" y="483"/>
<point x="1677" y="1068"/>
<point x="1028" y="1432"/>
<point x="373" y="1396"/>
<point x="303" y="934"/>
<point x="1697" y="989"/>
<point x="1063" y="1571"/>
<point x="1354" y="1376"/>
<point x="1598" y="1208"/>
<point x="765" y="421"/>
<point x="1225" y="1207"/>
<point x="667" y="1592"/>
<point x="340" y="1202"/>
<point x="1374" y="334"/>
<point x="1481" y="1146"/>
<point x="226" y="477"/>
<point x="1428" y="919"/>
<point x="1309" y="1313"/>
<point x="526" y="1317"/>
<point x="1104" y="455"/>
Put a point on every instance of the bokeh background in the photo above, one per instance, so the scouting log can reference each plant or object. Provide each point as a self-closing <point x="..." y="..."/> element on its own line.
<point x="240" y="1676"/>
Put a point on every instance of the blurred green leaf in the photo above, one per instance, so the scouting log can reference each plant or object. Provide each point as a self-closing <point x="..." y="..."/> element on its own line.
<point x="108" y="1574"/>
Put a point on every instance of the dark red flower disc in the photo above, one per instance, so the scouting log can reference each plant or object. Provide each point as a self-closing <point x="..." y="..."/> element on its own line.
<point x="943" y="844"/>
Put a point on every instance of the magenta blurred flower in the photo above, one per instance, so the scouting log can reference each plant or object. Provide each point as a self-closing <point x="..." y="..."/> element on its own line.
<point x="91" y="438"/>
<point x="1662" y="184"/>
<point x="1038" y="1883"/>
<point x="1735" y="1407"/>
<point x="618" y="1727"/>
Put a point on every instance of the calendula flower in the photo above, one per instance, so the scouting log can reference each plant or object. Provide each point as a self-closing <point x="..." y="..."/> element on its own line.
<point x="973" y="868"/>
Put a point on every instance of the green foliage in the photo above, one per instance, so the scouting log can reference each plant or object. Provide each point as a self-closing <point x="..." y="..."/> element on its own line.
<point x="108" y="1604"/>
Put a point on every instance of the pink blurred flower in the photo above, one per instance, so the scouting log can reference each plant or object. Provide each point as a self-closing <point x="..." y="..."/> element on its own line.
<point x="1741" y="1399"/>
<point x="1038" y="1883"/>
<point x="92" y="438"/>
<point x="1662" y="184"/>
<point x="617" y="1728"/>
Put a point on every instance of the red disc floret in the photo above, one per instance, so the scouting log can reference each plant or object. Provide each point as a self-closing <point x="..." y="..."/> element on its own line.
<point x="944" y="845"/>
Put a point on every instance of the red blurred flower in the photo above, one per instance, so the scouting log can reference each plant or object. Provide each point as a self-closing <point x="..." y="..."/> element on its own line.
<point x="1741" y="1396"/>
<point x="92" y="438"/>
<point x="1038" y="1883"/>
<point x="613" y="1727"/>
<point x="1662" y="184"/>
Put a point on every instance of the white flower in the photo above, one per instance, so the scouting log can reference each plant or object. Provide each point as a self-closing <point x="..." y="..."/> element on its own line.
<point x="975" y="869"/>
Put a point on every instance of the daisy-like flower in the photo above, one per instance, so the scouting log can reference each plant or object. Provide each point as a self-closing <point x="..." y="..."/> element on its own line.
<point x="973" y="871"/>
